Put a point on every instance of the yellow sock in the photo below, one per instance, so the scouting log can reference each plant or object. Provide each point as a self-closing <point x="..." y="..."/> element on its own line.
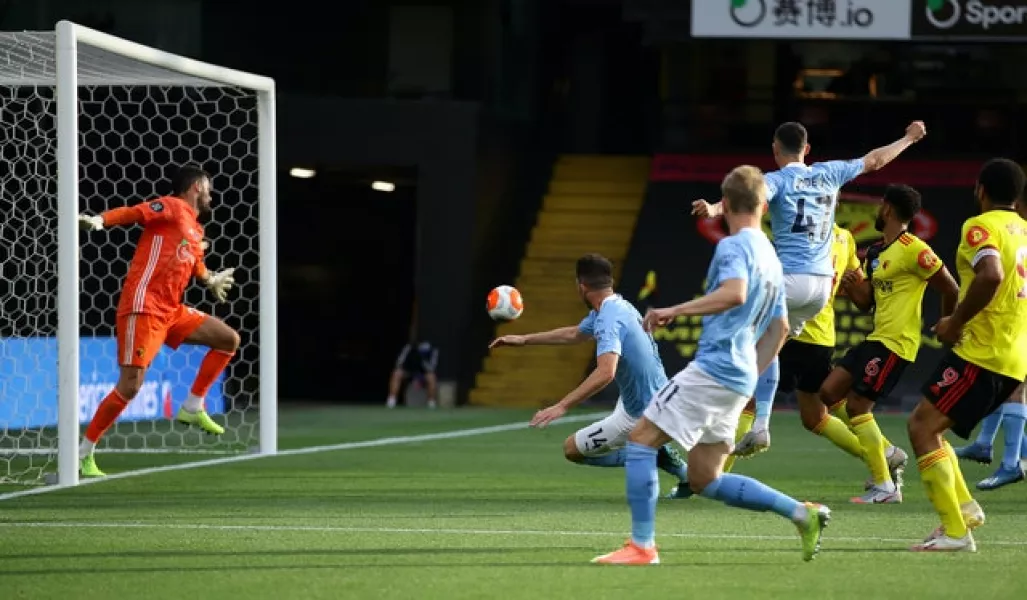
<point x="745" y="421"/>
<point x="870" y="438"/>
<point x="939" y="481"/>
<point x="836" y="431"/>
<point x="962" y="492"/>
<point x="839" y="410"/>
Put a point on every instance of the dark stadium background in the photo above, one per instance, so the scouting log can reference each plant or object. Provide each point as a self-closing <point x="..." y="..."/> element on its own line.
<point x="465" y="104"/>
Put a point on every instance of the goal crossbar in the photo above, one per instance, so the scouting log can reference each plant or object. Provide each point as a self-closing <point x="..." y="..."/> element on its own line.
<point x="73" y="56"/>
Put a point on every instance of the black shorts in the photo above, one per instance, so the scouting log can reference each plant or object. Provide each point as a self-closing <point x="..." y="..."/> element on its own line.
<point x="875" y="369"/>
<point x="965" y="392"/>
<point x="804" y="366"/>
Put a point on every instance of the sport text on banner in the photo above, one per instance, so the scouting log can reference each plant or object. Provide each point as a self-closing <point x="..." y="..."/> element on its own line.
<point x="810" y="19"/>
<point x="983" y="20"/>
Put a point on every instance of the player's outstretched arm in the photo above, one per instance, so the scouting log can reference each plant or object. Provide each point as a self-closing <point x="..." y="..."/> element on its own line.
<point x="601" y="376"/>
<point x="877" y="158"/>
<point x="730" y="293"/>
<point x="553" y="337"/>
<point x="945" y="284"/>
<point x="770" y="344"/>
<point x="144" y="213"/>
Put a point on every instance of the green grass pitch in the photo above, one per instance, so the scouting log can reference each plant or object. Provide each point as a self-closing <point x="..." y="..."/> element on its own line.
<point x="500" y="515"/>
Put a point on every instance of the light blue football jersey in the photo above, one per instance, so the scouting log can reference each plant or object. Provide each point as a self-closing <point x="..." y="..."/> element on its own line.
<point x="617" y="327"/>
<point x="727" y="346"/>
<point x="802" y="201"/>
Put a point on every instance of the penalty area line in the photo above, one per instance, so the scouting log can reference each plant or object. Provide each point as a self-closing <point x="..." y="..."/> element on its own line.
<point x="444" y="531"/>
<point x="374" y="443"/>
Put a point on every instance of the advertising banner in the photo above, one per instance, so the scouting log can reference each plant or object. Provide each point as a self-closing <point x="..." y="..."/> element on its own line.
<point x="798" y="19"/>
<point x="670" y="250"/>
<point x="970" y="20"/>
<point x="28" y="382"/>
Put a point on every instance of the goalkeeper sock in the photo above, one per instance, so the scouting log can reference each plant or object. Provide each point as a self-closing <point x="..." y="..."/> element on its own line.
<point x="745" y="492"/>
<point x="745" y="421"/>
<point x="835" y="430"/>
<point x="213" y="365"/>
<point x="870" y="438"/>
<point x="643" y="486"/>
<point x="766" y="387"/>
<point x="610" y="459"/>
<point x="936" y="471"/>
<point x="106" y="414"/>
<point x="1014" y="416"/>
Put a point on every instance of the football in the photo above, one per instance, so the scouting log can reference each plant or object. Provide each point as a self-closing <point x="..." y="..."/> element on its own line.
<point x="504" y="303"/>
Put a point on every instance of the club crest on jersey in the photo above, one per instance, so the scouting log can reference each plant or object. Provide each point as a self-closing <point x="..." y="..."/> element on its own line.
<point x="884" y="265"/>
<point x="926" y="259"/>
<point x="183" y="252"/>
<point x="157" y="206"/>
<point x="875" y="263"/>
<point x="976" y="235"/>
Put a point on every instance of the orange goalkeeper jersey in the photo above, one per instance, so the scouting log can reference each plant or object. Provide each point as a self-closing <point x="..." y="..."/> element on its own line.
<point x="168" y="256"/>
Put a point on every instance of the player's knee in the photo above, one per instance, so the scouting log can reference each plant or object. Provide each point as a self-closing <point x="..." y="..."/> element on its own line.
<point x="858" y="405"/>
<point x="570" y="450"/>
<point x="231" y="340"/>
<point x="698" y="479"/>
<point x="129" y="383"/>
<point x="810" y="418"/>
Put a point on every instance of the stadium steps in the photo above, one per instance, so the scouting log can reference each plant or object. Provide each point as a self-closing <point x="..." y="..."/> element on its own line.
<point x="591" y="206"/>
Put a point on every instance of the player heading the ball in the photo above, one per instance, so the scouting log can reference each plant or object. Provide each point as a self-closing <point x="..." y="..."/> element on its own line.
<point x="150" y="311"/>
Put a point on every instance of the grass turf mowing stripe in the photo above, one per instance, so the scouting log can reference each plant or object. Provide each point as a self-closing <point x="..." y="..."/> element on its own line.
<point x="439" y="531"/>
<point x="375" y="443"/>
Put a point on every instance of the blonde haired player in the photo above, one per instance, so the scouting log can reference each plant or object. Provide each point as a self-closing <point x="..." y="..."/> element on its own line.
<point x="744" y="326"/>
<point x="988" y="360"/>
<point x="151" y="313"/>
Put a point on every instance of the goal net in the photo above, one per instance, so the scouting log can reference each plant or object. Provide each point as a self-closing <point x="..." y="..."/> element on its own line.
<point x="90" y="122"/>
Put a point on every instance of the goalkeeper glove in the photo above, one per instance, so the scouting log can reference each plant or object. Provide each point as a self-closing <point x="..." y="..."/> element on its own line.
<point x="219" y="283"/>
<point x="90" y="222"/>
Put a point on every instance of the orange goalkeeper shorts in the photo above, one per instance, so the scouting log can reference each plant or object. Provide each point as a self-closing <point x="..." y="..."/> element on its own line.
<point x="140" y="336"/>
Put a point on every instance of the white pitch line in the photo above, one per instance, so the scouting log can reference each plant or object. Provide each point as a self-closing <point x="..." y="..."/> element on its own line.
<point x="446" y="531"/>
<point x="375" y="443"/>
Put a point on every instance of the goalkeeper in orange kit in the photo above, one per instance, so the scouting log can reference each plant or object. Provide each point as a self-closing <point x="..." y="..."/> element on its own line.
<point x="150" y="311"/>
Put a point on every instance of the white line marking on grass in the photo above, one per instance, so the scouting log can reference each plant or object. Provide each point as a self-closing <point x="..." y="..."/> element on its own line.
<point x="445" y="531"/>
<point x="388" y="441"/>
<point x="16" y="452"/>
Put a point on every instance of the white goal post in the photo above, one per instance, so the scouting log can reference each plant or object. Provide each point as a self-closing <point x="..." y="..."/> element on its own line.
<point x="109" y="119"/>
